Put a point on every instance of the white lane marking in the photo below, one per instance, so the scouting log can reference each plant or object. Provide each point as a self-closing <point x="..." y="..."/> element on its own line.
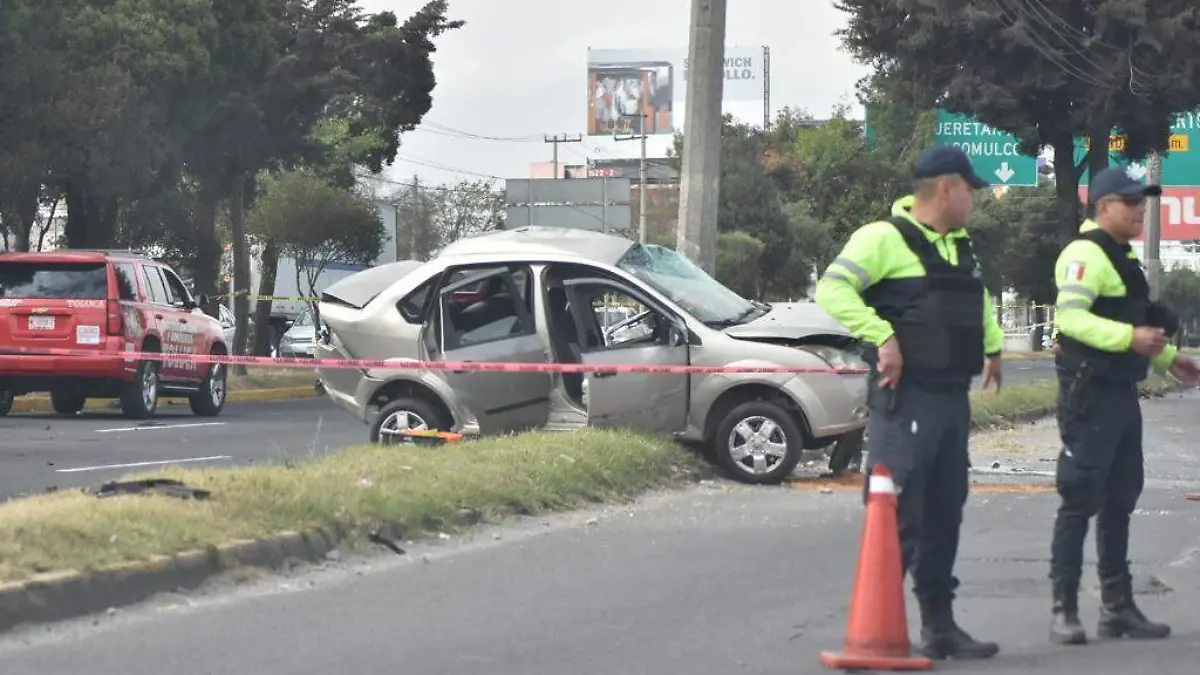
<point x="134" y="465"/>
<point x="162" y="426"/>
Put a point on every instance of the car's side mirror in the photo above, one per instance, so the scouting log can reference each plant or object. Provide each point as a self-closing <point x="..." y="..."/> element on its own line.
<point x="200" y="300"/>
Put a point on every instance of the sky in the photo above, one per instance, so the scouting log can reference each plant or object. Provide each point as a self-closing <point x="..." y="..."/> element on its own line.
<point x="517" y="71"/>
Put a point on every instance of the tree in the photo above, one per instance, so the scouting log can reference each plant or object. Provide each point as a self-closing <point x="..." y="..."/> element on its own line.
<point x="1181" y="292"/>
<point x="92" y="94"/>
<point x="750" y="202"/>
<point x="465" y="209"/>
<point x="738" y="258"/>
<point x="1041" y="71"/>
<point x="317" y="223"/>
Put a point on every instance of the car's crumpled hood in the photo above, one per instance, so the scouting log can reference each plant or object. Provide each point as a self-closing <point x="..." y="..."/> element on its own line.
<point x="791" y="321"/>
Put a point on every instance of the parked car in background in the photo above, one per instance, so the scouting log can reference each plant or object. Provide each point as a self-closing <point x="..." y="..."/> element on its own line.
<point x="538" y="295"/>
<point x="104" y="303"/>
<point x="300" y="339"/>
<point x="228" y="323"/>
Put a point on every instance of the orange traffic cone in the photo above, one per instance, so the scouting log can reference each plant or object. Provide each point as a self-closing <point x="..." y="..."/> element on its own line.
<point x="877" y="629"/>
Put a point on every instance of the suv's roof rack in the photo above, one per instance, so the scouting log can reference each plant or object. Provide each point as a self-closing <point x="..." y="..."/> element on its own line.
<point x="107" y="251"/>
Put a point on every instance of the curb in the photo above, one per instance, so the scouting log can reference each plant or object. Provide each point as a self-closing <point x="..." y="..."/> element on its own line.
<point x="41" y="404"/>
<point x="70" y="594"/>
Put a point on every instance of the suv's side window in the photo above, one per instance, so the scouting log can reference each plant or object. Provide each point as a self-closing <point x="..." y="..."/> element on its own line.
<point x="156" y="291"/>
<point x="178" y="293"/>
<point x="486" y="306"/>
<point x="126" y="281"/>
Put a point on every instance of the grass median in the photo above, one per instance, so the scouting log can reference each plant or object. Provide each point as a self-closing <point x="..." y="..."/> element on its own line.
<point x="416" y="490"/>
<point x="990" y="408"/>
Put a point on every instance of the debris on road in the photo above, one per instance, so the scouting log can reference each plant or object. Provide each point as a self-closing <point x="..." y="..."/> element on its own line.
<point x="164" y="486"/>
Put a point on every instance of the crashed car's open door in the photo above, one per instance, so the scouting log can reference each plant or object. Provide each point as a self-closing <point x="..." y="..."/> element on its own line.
<point x="487" y="317"/>
<point x="653" y="402"/>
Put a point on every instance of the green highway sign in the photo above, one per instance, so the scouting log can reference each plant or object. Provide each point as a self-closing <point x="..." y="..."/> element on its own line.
<point x="1180" y="166"/>
<point x="993" y="152"/>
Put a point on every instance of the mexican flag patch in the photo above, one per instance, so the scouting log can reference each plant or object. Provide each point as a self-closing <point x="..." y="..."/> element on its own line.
<point x="1075" y="271"/>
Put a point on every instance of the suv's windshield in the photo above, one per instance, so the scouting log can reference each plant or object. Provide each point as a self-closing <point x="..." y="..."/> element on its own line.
<point x="69" y="281"/>
<point x="689" y="286"/>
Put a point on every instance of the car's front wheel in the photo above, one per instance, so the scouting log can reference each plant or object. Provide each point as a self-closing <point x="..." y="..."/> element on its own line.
<point x="759" y="442"/>
<point x="6" y="402"/>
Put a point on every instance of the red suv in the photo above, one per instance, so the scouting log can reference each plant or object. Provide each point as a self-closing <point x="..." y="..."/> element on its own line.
<point x="104" y="303"/>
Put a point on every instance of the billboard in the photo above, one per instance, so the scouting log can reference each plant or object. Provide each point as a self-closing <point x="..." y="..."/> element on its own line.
<point x="634" y="89"/>
<point x="1180" y="213"/>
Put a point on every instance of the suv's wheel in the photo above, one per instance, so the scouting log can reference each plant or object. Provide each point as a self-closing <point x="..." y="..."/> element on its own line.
<point x="66" y="404"/>
<point x="139" y="398"/>
<point x="405" y="413"/>
<point x="210" y="400"/>
<point x="758" y="442"/>
<point x="6" y="402"/>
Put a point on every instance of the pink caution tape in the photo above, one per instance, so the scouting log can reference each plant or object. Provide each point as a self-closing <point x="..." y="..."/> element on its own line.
<point x="408" y="364"/>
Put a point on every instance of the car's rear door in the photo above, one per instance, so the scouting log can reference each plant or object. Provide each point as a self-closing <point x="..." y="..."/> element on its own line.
<point x="54" y="304"/>
<point x="488" y="316"/>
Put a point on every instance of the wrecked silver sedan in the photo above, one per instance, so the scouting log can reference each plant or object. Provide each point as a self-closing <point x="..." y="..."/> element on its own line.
<point x="544" y="295"/>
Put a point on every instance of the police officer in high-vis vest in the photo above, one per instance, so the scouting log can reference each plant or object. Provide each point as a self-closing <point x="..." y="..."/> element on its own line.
<point x="911" y="288"/>
<point x="1109" y="334"/>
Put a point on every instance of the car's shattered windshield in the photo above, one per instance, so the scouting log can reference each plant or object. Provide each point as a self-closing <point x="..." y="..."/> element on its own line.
<point x="686" y="284"/>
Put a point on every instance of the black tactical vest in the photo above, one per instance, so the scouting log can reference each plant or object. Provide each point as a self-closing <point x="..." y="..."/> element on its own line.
<point x="1133" y="308"/>
<point x="937" y="318"/>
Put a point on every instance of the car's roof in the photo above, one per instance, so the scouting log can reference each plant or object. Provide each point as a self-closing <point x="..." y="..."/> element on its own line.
<point x="531" y="241"/>
<point x="74" y="256"/>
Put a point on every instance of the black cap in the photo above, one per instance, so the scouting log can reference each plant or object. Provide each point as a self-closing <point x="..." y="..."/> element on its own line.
<point x="1117" y="181"/>
<point x="944" y="160"/>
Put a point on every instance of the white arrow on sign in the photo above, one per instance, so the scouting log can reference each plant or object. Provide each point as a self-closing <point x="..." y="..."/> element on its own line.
<point x="1004" y="173"/>
<point x="1136" y="171"/>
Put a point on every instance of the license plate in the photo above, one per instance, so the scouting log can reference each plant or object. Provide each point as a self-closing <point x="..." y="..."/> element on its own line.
<point x="41" y="323"/>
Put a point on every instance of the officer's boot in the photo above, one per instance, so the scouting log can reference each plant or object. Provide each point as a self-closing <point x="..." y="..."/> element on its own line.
<point x="941" y="638"/>
<point x="1065" y="628"/>
<point x="1119" y="615"/>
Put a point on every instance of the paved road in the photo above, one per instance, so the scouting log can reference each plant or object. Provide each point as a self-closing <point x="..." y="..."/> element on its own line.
<point x="39" y="451"/>
<point x="716" y="580"/>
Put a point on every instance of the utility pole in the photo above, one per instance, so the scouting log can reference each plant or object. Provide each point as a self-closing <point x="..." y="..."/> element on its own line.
<point x="414" y="217"/>
<point x="641" y="178"/>
<point x="697" y="230"/>
<point x="577" y="138"/>
<point x="1153" y="232"/>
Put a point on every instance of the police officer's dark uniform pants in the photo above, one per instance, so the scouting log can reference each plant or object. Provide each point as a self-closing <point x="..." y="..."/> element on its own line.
<point x="923" y="442"/>
<point x="1099" y="473"/>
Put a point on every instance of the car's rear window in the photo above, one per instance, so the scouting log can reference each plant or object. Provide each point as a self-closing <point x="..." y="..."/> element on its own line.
<point x="48" y="280"/>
